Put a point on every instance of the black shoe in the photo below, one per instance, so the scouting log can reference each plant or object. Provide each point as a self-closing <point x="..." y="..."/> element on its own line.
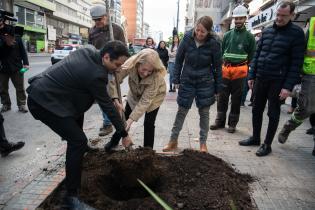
<point x="73" y="203"/>
<point x="7" y="148"/>
<point x="5" y="108"/>
<point x="249" y="142"/>
<point x="110" y="145"/>
<point x="283" y="135"/>
<point x="263" y="150"/>
<point x="250" y="104"/>
<point x="231" y="129"/>
<point x="216" y="126"/>
<point x="23" y="109"/>
<point x="310" y="131"/>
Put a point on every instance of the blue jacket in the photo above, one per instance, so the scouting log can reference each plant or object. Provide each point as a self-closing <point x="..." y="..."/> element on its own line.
<point x="279" y="55"/>
<point x="199" y="64"/>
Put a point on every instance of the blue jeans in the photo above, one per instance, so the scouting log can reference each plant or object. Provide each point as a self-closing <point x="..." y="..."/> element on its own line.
<point x="171" y="67"/>
<point x="106" y="120"/>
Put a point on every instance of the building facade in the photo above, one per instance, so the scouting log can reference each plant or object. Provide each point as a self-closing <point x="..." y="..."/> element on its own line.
<point x="133" y="10"/>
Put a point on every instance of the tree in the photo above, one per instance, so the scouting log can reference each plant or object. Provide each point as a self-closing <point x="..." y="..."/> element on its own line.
<point x="170" y="39"/>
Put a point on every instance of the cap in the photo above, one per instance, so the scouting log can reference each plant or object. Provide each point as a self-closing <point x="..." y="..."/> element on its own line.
<point x="98" y="11"/>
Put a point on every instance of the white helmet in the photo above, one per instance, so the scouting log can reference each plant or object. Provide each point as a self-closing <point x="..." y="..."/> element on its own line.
<point x="240" y="11"/>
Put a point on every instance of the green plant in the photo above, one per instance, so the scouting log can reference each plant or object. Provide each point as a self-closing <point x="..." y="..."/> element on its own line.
<point x="155" y="196"/>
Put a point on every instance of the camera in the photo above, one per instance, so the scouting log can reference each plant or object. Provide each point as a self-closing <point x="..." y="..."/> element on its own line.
<point x="7" y="19"/>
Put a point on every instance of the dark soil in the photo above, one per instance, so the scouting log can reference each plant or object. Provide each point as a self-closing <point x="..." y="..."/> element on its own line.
<point x="192" y="180"/>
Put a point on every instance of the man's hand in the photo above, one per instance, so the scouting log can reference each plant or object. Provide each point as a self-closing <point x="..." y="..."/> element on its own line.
<point x="26" y="66"/>
<point x="284" y="94"/>
<point x="119" y="107"/>
<point x="250" y="84"/>
<point x="128" y="124"/>
<point x="127" y="142"/>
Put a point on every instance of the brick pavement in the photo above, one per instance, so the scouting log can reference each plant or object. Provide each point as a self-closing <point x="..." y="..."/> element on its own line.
<point x="285" y="178"/>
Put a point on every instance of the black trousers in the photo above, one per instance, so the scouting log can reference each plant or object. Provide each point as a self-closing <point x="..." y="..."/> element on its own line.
<point x="3" y="139"/>
<point x="266" y="90"/>
<point x="312" y="120"/>
<point x="68" y="128"/>
<point x="149" y="127"/>
<point x="235" y="89"/>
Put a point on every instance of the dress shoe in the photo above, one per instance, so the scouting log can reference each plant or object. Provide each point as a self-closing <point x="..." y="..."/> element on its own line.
<point x="5" y="108"/>
<point x="105" y="130"/>
<point x="23" y="109"/>
<point x="203" y="148"/>
<point x="73" y="203"/>
<point x="249" y="142"/>
<point x="216" y="126"/>
<point x="263" y="150"/>
<point x="8" y="147"/>
<point x="231" y="129"/>
<point x="172" y="145"/>
<point x="310" y="131"/>
<point x="110" y="145"/>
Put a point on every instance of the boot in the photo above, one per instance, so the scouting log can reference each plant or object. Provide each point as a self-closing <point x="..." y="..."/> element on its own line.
<point x="172" y="145"/>
<point x="285" y="131"/>
<point x="5" y="108"/>
<point x="263" y="150"/>
<point x="105" y="130"/>
<point x="8" y="147"/>
<point x="203" y="147"/>
<point x="231" y="129"/>
<point x="23" y="109"/>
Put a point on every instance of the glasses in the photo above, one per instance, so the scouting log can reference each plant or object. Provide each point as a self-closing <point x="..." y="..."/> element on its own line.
<point x="98" y="19"/>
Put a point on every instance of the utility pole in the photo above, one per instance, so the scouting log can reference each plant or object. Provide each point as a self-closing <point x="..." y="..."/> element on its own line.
<point x="177" y="14"/>
<point x="7" y="5"/>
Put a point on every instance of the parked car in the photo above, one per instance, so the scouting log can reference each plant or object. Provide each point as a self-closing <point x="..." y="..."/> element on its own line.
<point x="61" y="53"/>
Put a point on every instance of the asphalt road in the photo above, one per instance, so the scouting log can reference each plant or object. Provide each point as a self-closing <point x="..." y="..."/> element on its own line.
<point x="41" y="144"/>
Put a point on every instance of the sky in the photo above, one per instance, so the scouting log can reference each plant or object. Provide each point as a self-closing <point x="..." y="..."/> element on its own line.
<point x="161" y="15"/>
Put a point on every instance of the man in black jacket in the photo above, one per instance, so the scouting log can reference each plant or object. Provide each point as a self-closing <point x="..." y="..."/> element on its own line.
<point x="275" y="69"/>
<point x="13" y="59"/>
<point x="61" y="95"/>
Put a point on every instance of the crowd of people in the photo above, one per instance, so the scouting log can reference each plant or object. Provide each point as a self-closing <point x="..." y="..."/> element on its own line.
<point x="202" y="68"/>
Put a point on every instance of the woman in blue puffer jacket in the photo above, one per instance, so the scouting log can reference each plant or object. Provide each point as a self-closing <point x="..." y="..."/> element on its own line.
<point x="197" y="75"/>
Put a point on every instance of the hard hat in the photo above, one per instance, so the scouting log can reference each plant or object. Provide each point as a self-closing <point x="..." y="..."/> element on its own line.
<point x="240" y="11"/>
<point x="98" y="11"/>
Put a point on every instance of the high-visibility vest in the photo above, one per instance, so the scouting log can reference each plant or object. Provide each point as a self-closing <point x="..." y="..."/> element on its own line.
<point x="309" y="58"/>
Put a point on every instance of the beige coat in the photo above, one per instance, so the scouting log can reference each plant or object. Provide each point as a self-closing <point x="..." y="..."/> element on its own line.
<point x="144" y="95"/>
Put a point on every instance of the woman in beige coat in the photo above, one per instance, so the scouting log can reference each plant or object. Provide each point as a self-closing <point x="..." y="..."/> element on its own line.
<point x="147" y="90"/>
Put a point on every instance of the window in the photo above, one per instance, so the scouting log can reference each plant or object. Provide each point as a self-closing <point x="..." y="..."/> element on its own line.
<point x="30" y="17"/>
<point x="20" y="14"/>
<point x="39" y="20"/>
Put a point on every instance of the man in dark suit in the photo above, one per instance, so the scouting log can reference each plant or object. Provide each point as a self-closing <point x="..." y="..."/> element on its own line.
<point x="61" y="95"/>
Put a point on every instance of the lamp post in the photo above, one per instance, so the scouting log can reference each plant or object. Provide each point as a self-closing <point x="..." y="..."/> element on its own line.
<point x="177" y="14"/>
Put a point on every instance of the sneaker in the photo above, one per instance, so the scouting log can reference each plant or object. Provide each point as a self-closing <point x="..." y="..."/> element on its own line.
<point x="105" y="130"/>
<point x="110" y="145"/>
<point x="23" y="109"/>
<point x="5" y="108"/>
<point x="7" y="148"/>
<point x="263" y="150"/>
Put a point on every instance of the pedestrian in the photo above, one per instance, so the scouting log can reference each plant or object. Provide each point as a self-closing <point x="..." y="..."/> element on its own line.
<point x="61" y="95"/>
<point x="306" y="99"/>
<point x="171" y="62"/>
<point x="275" y="69"/>
<point x="147" y="90"/>
<point x="149" y="43"/>
<point x="99" y="35"/>
<point x="311" y="130"/>
<point x="13" y="58"/>
<point x="238" y="47"/>
<point x="197" y="73"/>
<point x="163" y="53"/>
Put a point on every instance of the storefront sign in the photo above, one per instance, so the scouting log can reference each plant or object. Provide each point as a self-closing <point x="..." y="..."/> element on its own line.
<point x="51" y="34"/>
<point x="262" y="18"/>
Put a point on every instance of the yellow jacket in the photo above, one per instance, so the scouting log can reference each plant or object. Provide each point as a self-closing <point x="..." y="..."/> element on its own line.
<point x="144" y="95"/>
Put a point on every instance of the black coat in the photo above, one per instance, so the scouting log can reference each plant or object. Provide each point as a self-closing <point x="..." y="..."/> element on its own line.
<point x="13" y="58"/>
<point x="69" y="88"/>
<point x="163" y="54"/>
<point x="279" y="55"/>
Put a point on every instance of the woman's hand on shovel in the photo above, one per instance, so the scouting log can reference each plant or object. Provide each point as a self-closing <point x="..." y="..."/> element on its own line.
<point x="127" y="142"/>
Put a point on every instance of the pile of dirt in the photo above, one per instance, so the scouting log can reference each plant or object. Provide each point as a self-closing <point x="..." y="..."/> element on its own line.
<point x="192" y="180"/>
